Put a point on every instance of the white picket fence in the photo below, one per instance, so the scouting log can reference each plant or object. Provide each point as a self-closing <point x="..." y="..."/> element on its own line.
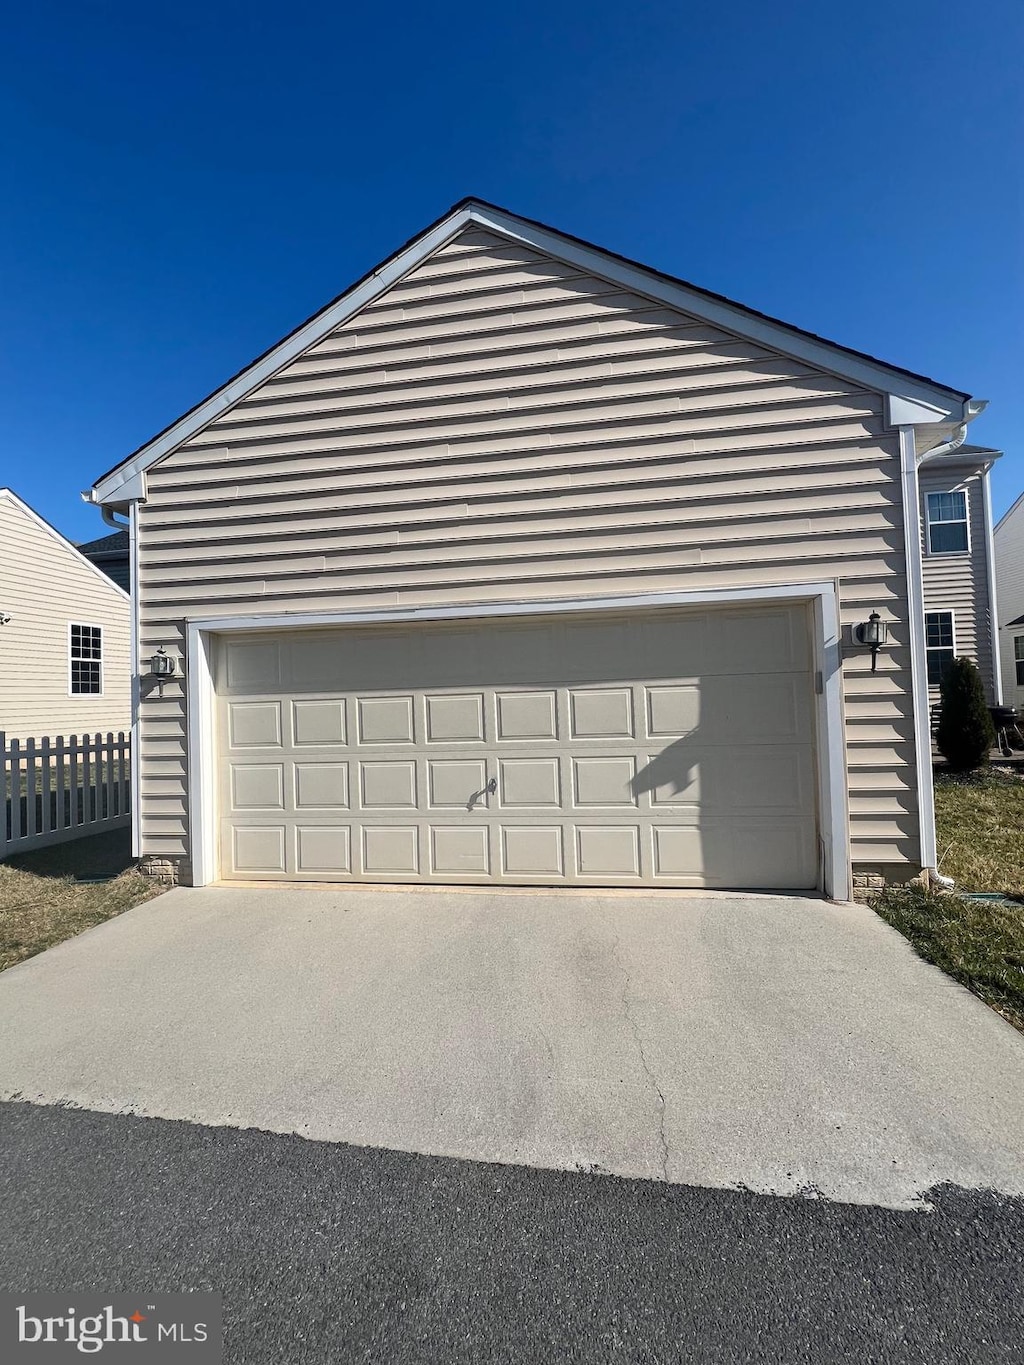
<point x="57" y="789"/>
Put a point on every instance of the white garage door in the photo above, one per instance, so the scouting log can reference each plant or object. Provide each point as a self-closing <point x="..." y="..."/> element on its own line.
<point x="672" y="748"/>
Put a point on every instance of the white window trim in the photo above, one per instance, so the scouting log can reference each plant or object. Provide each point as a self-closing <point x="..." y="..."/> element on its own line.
<point x="835" y="873"/>
<point x="942" y="554"/>
<point x="1017" y="640"/>
<point x="929" y="649"/>
<point x="89" y="625"/>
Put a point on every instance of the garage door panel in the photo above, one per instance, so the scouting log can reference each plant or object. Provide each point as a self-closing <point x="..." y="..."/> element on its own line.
<point x="532" y="850"/>
<point x="601" y="713"/>
<point x="526" y="715"/>
<point x="323" y="850"/>
<point x="257" y="849"/>
<point x="257" y="786"/>
<point x="252" y="724"/>
<point x="386" y="720"/>
<point x="455" y="719"/>
<point x="455" y="782"/>
<point x="605" y="781"/>
<point x="253" y="664"/>
<point x="388" y="784"/>
<point x="457" y="851"/>
<point x="391" y="850"/>
<point x="320" y="722"/>
<point x="743" y="781"/>
<point x="375" y="762"/>
<point x="608" y="851"/>
<point x="321" y="786"/>
<point x="529" y="782"/>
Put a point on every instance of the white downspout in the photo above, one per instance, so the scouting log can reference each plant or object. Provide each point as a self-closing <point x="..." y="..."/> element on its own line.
<point x="911" y="461"/>
<point x="918" y="646"/>
<point x="990" y="569"/>
<point x="133" y="583"/>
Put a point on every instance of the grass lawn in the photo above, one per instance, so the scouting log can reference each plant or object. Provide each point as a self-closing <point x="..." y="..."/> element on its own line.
<point x="42" y="902"/>
<point x="980" y="827"/>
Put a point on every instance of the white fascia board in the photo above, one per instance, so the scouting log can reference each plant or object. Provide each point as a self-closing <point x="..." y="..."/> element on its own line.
<point x="63" y="541"/>
<point x="940" y="402"/>
<point x="111" y="488"/>
<point x="932" y="402"/>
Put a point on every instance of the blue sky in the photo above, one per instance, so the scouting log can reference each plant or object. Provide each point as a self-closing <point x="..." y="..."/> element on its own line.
<point x="183" y="184"/>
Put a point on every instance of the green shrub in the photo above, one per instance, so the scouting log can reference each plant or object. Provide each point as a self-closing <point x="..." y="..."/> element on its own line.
<point x="965" y="734"/>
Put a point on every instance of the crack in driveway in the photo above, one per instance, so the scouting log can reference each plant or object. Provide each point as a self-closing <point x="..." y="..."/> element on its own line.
<point x="634" y="1025"/>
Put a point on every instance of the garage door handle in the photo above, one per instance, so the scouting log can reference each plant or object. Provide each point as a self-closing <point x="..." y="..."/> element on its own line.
<point x="492" y="786"/>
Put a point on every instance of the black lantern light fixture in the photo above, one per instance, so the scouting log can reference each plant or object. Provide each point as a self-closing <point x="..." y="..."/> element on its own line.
<point x="874" y="633"/>
<point x="163" y="666"/>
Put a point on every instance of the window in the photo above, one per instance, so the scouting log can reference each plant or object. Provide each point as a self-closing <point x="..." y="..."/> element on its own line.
<point x="947" y="523"/>
<point x="86" y="660"/>
<point x="1018" y="658"/>
<point x="938" y="629"/>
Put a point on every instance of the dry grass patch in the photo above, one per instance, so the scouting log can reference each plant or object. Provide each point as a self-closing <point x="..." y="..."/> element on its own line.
<point x="979" y="820"/>
<point x="981" y="946"/>
<point x="38" y="911"/>
<point x="979" y="826"/>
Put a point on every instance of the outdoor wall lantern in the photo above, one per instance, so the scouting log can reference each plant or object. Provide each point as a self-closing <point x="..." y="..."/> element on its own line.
<point x="874" y="633"/>
<point x="163" y="666"/>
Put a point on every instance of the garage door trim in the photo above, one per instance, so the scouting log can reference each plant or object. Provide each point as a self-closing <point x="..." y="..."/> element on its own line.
<point x="823" y="597"/>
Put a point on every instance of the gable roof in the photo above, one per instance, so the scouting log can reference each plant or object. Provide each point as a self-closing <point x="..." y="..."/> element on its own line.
<point x="856" y="366"/>
<point x="8" y="495"/>
<point x="116" y="544"/>
<point x="1011" y="511"/>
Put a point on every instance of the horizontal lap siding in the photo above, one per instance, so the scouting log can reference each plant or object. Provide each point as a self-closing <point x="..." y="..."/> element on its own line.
<point x="499" y="427"/>
<point x="44" y="586"/>
<point x="959" y="583"/>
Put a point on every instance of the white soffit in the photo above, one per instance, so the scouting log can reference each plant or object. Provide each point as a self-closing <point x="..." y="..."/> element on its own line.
<point x="922" y="400"/>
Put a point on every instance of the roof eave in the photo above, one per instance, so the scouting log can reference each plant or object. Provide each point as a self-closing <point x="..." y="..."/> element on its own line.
<point x="935" y="402"/>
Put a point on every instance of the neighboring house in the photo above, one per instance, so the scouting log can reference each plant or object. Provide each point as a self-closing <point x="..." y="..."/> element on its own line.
<point x="64" y="639"/>
<point x="1009" y="556"/>
<point x="959" y="575"/>
<point x="520" y="562"/>
<point x="110" y="553"/>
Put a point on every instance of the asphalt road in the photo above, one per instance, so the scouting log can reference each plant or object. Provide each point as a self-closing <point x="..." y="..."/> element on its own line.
<point x="330" y="1253"/>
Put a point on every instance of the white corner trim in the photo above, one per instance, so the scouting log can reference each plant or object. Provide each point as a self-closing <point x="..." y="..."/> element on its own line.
<point x="918" y="646"/>
<point x="930" y="401"/>
<point x="202" y="758"/>
<point x="830" y="742"/>
<point x="833" y="784"/>
<point x="136" y="681"/>
<point x="905" y="412"/>
<point x="993" y="592"/>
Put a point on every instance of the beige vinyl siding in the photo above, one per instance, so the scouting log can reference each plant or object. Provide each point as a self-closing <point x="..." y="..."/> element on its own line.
<point x="44" y="586"/>
<point x="498" y="427"/>
<point x="1009" y="564"/>
<point x="959" y="582"/>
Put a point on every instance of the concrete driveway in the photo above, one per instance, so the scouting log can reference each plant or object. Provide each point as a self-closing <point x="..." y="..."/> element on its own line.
<point x="778" y="1043"/>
